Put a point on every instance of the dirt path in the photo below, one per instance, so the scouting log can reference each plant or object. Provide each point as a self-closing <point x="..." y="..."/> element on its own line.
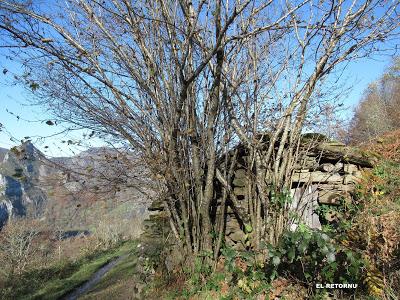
<point x="84" y="288"/>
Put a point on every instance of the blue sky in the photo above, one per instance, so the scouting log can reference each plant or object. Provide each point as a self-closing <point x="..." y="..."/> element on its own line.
<point x="15" y="99"/>
<point x="30" y="123"/>
<point x="20" y="119"/>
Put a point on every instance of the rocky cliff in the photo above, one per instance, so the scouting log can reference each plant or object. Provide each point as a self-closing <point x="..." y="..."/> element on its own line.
<point x="72" y="190"/>
<point x="3" y="152"/>
<point x="21" y="195"/>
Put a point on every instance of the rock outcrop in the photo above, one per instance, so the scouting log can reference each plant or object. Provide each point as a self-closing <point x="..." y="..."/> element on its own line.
<point x="20" y="194"/>
<point x="3" y="152"/>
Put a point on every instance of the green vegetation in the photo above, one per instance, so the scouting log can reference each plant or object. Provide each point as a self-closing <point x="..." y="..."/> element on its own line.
<point x="362" y="247"/>
<point x="56" y="281"/>
<point x="118" y="281"/>
<point x="375" y="230"/>
<point x="313" y="257"/>
<point x="300" y="260"/>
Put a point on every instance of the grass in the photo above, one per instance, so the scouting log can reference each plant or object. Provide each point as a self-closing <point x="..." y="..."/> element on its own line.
<point x="118" y="283"/>
<point x="55" y="282"/>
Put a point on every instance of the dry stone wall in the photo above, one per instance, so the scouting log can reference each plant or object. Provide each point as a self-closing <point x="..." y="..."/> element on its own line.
<point x="325" y="175"/>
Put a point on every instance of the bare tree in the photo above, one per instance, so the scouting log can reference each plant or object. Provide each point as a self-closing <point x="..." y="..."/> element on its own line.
<point x="378" y="110"/>
<point x="183" y="81"/>
<point x="16" y="249"/>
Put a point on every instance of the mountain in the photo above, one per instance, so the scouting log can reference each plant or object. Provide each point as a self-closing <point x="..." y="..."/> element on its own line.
<point x="74" y="192"/>
<point x="98" y="184"/>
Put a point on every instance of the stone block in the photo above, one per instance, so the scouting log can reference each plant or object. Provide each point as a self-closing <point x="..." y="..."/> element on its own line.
<point x="307" y="163"/>
<point x="239" y="182"/>
<point x="339" y="187"/>
<point x="229" y="242"/>
<point x="350" y="179"/>
<point x="323" y="177"/>
<point x="333" y="198"/>
<point x="232" y="226"/>
<point x="239" y="191"/>
<point x="240" y="178"/>
<point x="229" y="210"/>
<point x="237" y="236"/>
<point x="331" y="168"/>
<point x="339" y="166"/>
<point x="240" y="173"/>
<point x="336" y="144"/>
<point x="350" y="168"/>
<point x="327" y="167"/>
<point x="301" y="177"/>
<point x="317" y="176"/>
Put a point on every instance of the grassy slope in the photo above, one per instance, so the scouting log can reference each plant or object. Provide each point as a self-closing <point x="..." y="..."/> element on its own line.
<point x="52" y="284"/>
<point x="118" y="283"/>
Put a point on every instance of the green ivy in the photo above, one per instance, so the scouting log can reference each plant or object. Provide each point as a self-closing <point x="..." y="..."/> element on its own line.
<point x="312" y="256"/>
<point x="278" y="200"/>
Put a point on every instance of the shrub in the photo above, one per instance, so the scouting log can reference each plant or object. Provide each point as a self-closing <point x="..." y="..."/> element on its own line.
<point x="16" y="245"/>
<point x="375" y="230"/>
<point x="311" y="256"/>
<point x="111" y="231"/>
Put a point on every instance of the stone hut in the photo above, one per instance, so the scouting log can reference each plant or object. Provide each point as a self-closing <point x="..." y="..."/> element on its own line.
<point x="325" y="177"/>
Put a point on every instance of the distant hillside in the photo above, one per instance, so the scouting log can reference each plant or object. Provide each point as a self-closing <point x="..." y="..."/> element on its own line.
<point x="74" y="192"/>
<point x="94" y="185"/>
